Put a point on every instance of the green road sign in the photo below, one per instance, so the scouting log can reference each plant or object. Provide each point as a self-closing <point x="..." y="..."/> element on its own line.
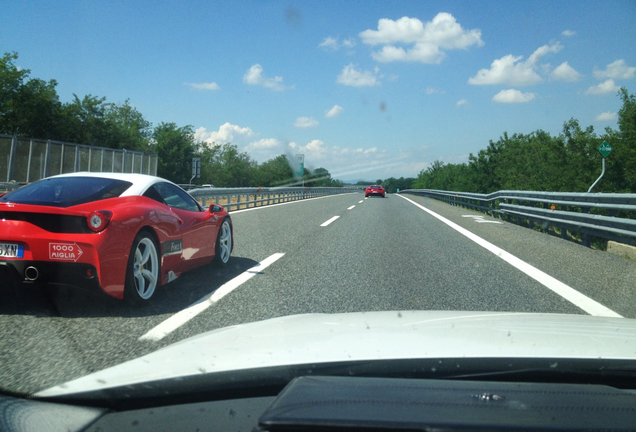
<point x="605" y="149"/>
<point x="299" y="168"/>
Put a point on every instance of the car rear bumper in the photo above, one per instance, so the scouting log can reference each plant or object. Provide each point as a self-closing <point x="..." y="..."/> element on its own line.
<point x="80" y="275"/>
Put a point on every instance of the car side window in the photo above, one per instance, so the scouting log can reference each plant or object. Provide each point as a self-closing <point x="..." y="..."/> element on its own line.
<point x="153" y="194"/>
<point x="176" y="198"/>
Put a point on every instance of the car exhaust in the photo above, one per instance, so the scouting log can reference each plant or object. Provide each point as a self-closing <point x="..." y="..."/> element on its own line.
<point x="31" y="273"/>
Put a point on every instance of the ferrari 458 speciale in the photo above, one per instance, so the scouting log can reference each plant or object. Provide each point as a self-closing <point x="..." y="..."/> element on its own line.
<point x="123" y="234"/>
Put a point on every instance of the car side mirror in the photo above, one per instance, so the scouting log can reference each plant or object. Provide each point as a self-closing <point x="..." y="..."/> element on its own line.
<point x="215" y="208"/>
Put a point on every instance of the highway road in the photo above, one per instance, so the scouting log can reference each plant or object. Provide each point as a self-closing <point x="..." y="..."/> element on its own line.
<point x="334" y="254"/>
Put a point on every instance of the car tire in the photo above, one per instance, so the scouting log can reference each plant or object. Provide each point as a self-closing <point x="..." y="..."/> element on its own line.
<point x="143" y="270"/>
<point x="224" y="240"/>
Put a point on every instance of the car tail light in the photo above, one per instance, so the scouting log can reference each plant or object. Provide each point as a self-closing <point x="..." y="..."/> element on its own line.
<point x="98" y="220"/>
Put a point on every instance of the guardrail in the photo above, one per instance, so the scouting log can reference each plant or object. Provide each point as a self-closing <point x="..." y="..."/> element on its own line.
<point x="8" y="187"/>
<point x="240" y="198"/>
<point x="607" y="216"/>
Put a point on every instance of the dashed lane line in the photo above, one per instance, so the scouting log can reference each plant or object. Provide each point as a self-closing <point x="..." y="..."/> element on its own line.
<point x="182" y="317"/>
<point x="324" y="224"/>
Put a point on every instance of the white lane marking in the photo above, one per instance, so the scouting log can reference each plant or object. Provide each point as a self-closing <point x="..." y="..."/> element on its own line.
<point x="480" y="219"/>
<point x="182" y="317"/>
<point x="329" y="221"/>
<point x="360" y="202"/>
<point x="570" y="294"/>
<point x="349" y="208"/>
<point x="285" y="203"/>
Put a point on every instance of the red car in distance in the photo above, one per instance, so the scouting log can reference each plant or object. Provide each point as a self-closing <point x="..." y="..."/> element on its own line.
<point x="374" y="190"/>
<point x="123" y="234"/>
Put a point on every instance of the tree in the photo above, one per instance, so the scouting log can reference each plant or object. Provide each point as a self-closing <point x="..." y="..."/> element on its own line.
<point x="83" y="121"/>
<point x="127" y="128"/>
<point x="28" y="107"/>
<point x="275" y="172"/>
<point x="175" y="148"/>
<point x="224" y="166"/>
<point x="626" y="151"/>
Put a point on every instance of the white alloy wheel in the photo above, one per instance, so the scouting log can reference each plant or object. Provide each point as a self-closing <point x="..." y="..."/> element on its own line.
<point x="145" y="268"/>
<point x="224" y="243"/>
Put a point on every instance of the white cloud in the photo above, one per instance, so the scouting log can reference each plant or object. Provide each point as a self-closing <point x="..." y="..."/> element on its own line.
<point x="616" y="70"/>
<point x="565" y="72"/>
<point x="227" y="133"/>
<point x="334" y="44"/>
<point x="568" y="33"/>
<point x="513" y="96"/>
<point x="335" y="111"/>
<point x="349" y="43"/>
<point x="254" y="76"/>
<point x="305" y="122"/>
<point x="462" y="102"/>
<point x="432" y="90"/>
<point x="510" y="70"/>
<point x="355" y="78"/>
<point x="203" y="86"/>
<point x="329" y="42"/>
<point x="265" y="143"/>
<point x="606" y="116"/>
<point x="427" y="40"/>
<point x="605" y="87"/>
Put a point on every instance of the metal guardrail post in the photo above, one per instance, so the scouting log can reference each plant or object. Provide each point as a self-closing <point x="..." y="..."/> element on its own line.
<point x="47" y="159"/>
<point x="28" y="172"/>
<point x="14" y="149"/>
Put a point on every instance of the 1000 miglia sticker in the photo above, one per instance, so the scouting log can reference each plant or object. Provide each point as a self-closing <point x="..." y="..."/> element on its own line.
<point x="64" y="251"/>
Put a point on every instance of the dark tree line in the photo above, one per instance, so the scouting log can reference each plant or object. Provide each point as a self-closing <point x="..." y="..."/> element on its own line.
<point x="31" y="107"/>
<point x="569" y="162"/>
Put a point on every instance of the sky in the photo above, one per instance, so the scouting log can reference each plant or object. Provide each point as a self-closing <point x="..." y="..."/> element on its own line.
<point x="365" y="89"/>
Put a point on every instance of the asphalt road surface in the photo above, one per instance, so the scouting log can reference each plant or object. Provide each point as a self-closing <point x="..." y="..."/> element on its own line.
<point x="334" y="254"/>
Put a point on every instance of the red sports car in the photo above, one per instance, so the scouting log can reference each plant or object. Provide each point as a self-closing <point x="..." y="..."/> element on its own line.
<point x="374" y="190"/>
<point x="124" y="234"/>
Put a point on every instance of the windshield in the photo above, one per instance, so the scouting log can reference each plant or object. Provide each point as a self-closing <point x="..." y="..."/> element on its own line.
<point x="319" y="164"/>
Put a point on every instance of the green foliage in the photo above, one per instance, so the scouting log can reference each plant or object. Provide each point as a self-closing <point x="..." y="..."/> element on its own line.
<point x="275" y="172"/>
<point x="175" y="148"/>
<point x="392" y="184"/>
<point x="537" y="161"/>
<point x="625" y="145"/>
<point x="28" y="107"/>
<point x="320" y="177"/>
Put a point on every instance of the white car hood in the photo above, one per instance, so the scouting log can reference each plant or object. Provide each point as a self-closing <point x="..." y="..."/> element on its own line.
<point x="326" y="338"/>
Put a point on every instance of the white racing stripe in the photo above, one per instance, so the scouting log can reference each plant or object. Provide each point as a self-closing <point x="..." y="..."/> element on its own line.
<point x="350" y="207"/>
<point x="324" y="224"/>
<point x="182" y="317"/>
<point x="570" y="294"/>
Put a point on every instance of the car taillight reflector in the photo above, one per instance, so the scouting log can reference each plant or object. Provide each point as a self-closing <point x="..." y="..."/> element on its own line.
<point x="98" y="220"/>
